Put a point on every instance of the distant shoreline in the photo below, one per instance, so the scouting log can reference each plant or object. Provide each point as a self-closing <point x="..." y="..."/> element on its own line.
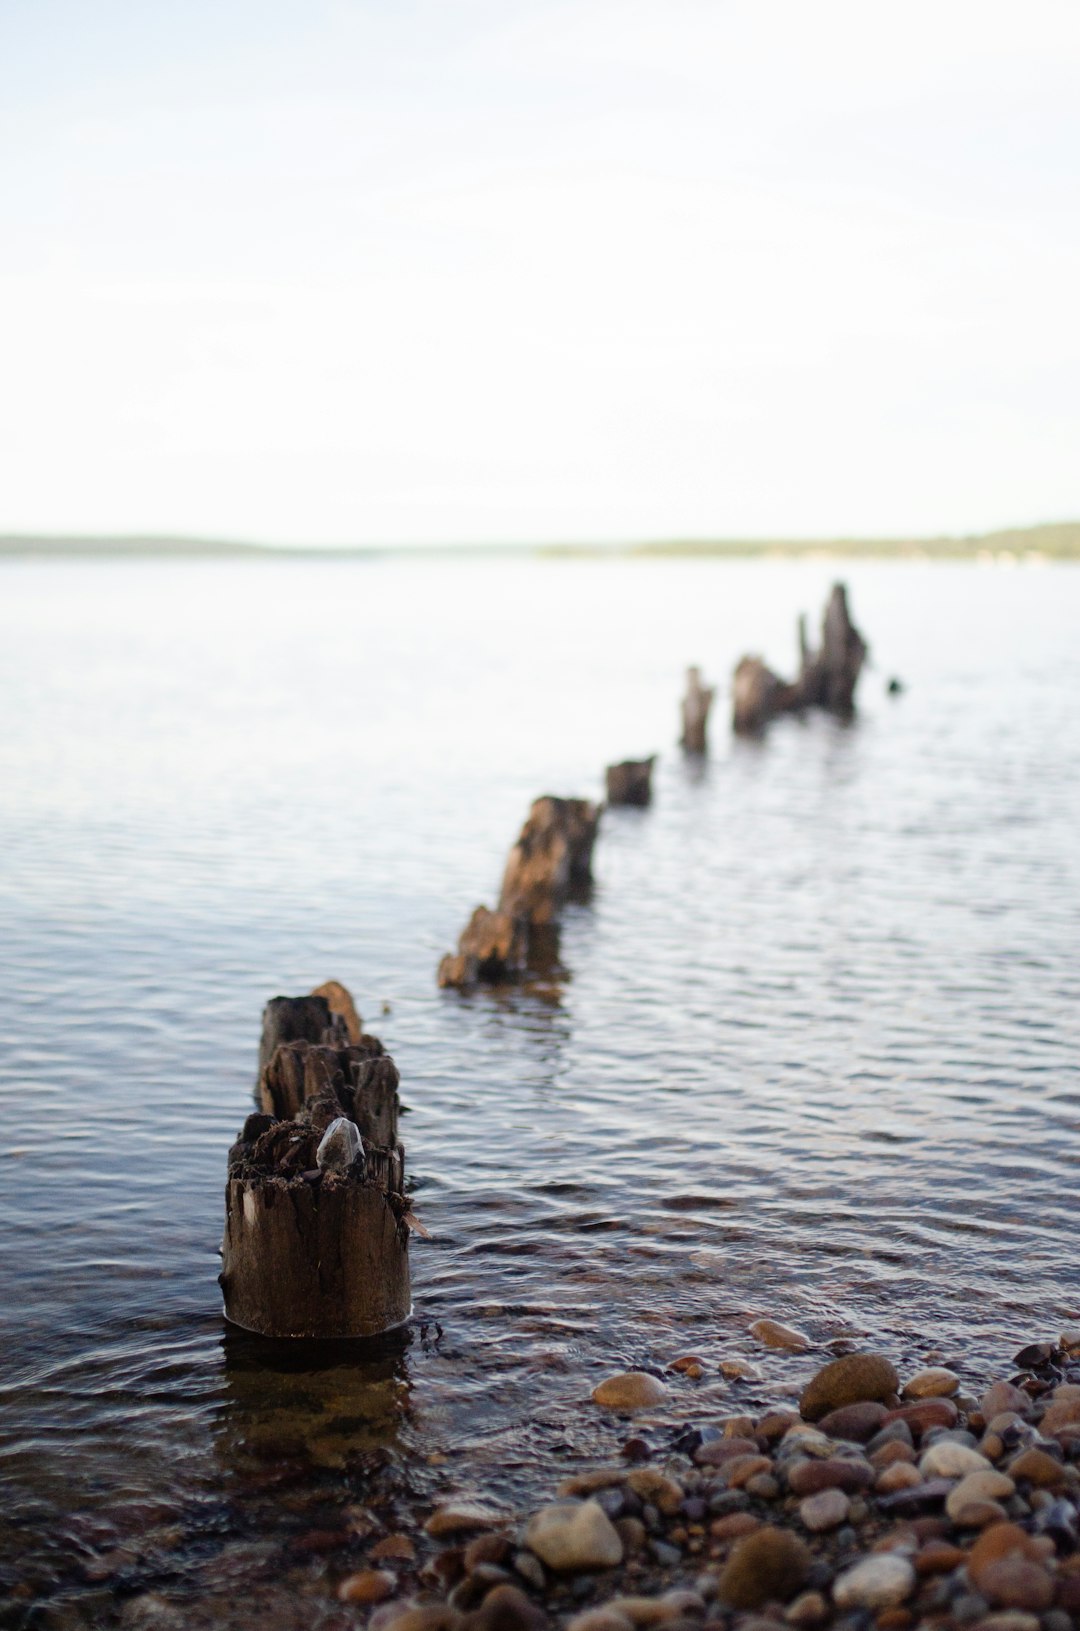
<point x="1059" y="541"/>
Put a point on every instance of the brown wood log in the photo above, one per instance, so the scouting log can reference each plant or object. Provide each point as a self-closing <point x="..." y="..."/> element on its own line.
<point x="312" y="1251"/>
<point x="493" y="947"/>
<point x="695" y="712"/>
<point x="552" y="855"/>
<point x="630" y="782"/>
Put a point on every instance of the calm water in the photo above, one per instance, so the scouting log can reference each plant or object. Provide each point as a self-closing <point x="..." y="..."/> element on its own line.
<point x="815" y="1054"/>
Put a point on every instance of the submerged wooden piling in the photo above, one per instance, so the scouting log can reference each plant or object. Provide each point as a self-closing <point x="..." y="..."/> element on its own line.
<point x="695" y="713"/>
<point x="630" y="782"/>
<point x="550" y="860"/>
<point x="316" y="1217"/>
<point x="827" y="676"/>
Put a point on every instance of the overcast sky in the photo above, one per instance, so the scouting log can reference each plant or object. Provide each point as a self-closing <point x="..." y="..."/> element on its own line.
<point x="391" y="270"/>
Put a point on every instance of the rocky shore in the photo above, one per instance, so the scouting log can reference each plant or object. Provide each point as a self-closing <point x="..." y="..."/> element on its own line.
<point x="881" y="1502"/>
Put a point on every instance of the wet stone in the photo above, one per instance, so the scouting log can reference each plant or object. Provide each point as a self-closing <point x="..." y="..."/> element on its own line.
<point x="879" y="1581"/>
<point x="574" y="1535"/>
<point x="825" y="1511"/>
<point x="631" y="1390"/>
<point x="852" y="1379"/>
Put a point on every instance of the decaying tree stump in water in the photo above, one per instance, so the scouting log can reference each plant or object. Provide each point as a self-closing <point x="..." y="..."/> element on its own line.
<point x="363" y="1080"/>
<point x="695" y="712"/>
<point x="552" y="856"/>
<point x="630" y="782"/>
<point x="757" y="695"/>
<point x="299" y="1019"/>
<point x="827" y="677"/>
<point x="314" y="1247"/>
<point x="340" y="1003"/>
<point x="493" y="947"/>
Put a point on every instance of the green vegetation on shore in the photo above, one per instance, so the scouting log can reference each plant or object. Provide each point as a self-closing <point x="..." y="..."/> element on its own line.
<point x="1059" y="540"/>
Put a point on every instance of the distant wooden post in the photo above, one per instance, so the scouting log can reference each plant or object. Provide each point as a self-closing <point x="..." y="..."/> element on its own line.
<point x="630" y="782"/>
<point x="695" y="712"/>
<point x="827" y="677"/>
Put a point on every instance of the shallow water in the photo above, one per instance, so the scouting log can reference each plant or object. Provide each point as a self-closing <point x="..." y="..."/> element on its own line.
<point x="813" y="1054"/>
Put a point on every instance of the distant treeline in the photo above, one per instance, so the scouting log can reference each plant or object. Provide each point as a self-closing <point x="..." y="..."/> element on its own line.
<point x="1056" y="540"/>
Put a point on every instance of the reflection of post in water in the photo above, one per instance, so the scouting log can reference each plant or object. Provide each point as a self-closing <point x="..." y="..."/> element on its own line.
<point x="292" y="1411"/>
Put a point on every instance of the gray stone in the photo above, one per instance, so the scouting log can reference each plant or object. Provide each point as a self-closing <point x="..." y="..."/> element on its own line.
<point x="572" y="1535"/>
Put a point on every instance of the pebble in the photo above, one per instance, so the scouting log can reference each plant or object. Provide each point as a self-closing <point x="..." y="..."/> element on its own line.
<point x="947" y="1459"/>
<point x="397" y="1547"/>
<point x="809" y="1608"/>
<point x="849" y="1380"/>
<point x="1016" y="1582"/>
<point x="456" y="1517"/>
<point x="1061" y="1412"/>
<point x="369" y="1586"/>
<point x="924" y="1414"/>
<point x="934" y="1383"/>
<point x="808" y="1477"/>
<point x="574" y="1535"/>
<point x="877" y="1582"/>
<point x="825" y="1511"/>
<point x="1038" y="1468"/>
<point x="857" y="1422"/>
<point x="649" y="1484"/>
<point x="767" y="1566"/>
<point x="898" y="1475"/>
<point x="739" y="1370"/>
<point x="982" y="1485"/>
<point x="632" y="1390"/>
<point x="774" y="1335"/>
<point x="1002" y="1396"/>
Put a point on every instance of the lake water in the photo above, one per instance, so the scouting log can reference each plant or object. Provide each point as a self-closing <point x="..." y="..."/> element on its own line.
<point x="815" y="1053"/>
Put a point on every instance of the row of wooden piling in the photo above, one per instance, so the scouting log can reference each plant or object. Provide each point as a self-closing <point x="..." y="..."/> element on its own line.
<point x="317" y="1221"/>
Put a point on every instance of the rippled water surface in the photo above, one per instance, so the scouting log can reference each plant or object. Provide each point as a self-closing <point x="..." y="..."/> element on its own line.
<point x="814" y="1054"/>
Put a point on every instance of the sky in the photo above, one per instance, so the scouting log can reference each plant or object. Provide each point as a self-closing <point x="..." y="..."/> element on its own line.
<point x="393" y="271"/>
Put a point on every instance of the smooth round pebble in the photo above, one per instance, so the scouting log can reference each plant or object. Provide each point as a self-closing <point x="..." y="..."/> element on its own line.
<point x="947" y="1459"/>
<point x="934" y="1383"/>
<point x="631" y="1390"/>
<point x="825" y="1511"/>
<point x="877" y="1582"/>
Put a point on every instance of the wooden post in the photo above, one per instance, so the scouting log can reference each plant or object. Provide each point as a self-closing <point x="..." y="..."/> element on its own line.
<point x="295" y="1019"/>
<point x="552" y="855"/>
<point x="314" y="1247"/>
<point x="340" y="1003"/>
<point x="695" y="712"/>
<point x="493" y="947"/>
<point x="363" y="1080"/>
<point x="757" y="695"/>
<point x="827" y="677"/>
<point x="630" y="782"/>
<point x="552" y="858"/>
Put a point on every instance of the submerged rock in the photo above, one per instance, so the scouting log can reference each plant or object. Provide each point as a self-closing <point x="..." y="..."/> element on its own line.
<point x="849" y="1380"/>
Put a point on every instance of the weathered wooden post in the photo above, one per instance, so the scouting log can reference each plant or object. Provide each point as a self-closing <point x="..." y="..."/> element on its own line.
<point x="553" y="854"/>
<point x="827" y="677"/>
<point x="695" y="712"/>
<point x="552" y="857"/>
<point x="630" y="782"/>
<point x="316" y="1218"/>
<point x="757" y="695"/>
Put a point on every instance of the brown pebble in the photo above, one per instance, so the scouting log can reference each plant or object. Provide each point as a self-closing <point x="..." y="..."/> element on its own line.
<point x="632" y="1532"/>
<point x="849" y="1380"/>
<point x="1038" y="1468"/>
<point x="774" y="1424"/>
<point x="398" y="1547"/>
<point x="718" y="1450"/>
<point x="938" y="1557"/>
<point x="738" y="1427"/>
<point x="1001" y="1540"/>
<point x="854" y="1422"/>
<point x="1014" y="1582"/>
<point x="925" y="1414"/>
<point x="744" y="1467"/>
<point x="649" y="1484"/>
<point x="320" y="1541"/>
<point x="889" y="1453"/>
<point x="901" y="1475"/>
<point x="687" y="1362"/>
<point x="486" y="1549"/>
<point x="894" y="1619"/>
<point x="734" y="1526"/>
<point x="808" y="1477"/>
<point x="369" y="1586"/>
<point x="506" y="1608"/>
<point x="767" y="1566"/>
